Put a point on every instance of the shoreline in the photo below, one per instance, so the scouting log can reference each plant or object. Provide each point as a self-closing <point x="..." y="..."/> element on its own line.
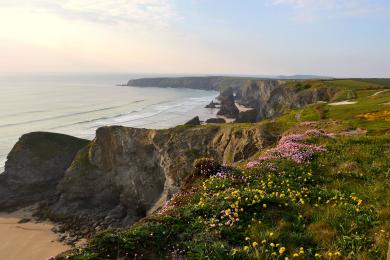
<point x="31" y="240"/>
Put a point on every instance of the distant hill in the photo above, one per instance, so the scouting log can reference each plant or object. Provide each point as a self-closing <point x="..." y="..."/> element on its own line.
<point x="210" y="82"/>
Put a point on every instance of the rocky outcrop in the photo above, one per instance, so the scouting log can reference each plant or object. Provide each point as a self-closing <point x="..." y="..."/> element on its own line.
<point x="215" y="121"/>
<point x="127" y="173"/>
<point x="248" y="116"/>
<point x="271" y="98"/>
<point x="228" y="106"/>
<point x="34" y="167"/>
<point x="193" y="121"/>
<point x="212" y="104"/>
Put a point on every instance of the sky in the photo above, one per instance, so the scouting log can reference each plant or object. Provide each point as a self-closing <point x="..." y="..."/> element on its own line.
<point x="340" y="38"/>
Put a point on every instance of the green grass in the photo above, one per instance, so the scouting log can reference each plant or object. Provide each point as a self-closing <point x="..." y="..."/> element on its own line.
<point x="319" y="211"/>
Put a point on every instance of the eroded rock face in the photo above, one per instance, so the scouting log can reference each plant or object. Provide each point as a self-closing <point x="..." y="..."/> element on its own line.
<point x="270" y="98"/>
<point x="34" y="167"/>
<point x="228" y="106"/>
<point x="127" y="173"/>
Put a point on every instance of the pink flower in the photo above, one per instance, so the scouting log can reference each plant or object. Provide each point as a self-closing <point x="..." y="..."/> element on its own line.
<point x="253" y="164"/>
<point x="291" y="147"/>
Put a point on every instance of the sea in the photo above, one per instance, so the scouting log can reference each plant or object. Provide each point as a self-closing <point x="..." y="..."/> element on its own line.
<point x="79" y="104"/>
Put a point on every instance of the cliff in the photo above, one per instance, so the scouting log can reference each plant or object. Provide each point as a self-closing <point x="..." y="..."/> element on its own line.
<point x="34" y="167"/>
<point x="127" y="173"/>
<point x="272" y="98"/>
<point x="268" y="97"/>
<point x="206" y="83"/>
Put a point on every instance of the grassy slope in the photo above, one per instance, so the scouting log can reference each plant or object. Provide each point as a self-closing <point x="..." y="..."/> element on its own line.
<point x="337" y="206"/>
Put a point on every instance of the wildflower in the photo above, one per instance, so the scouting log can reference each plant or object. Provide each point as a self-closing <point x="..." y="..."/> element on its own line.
<point x="295" y="255"/>
<point x="272" y="245"/>
<point x="317" y="255"/>
<point x="247" y="238"/>
<point x="337" y="253"/>
<point x="255" y="244"/>
<point x="271" y="234"/>
<point x="246" y="248"/>
<point x="282" y="250"/>
<point x="264" y="205"/>
<point x="264" y="241"/>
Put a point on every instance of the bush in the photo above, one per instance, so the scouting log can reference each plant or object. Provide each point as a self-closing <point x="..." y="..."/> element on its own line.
<point x="206" y="167"/>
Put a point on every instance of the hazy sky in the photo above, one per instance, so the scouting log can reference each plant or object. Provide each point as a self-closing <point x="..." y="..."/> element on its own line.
<point x="258" y="37"/>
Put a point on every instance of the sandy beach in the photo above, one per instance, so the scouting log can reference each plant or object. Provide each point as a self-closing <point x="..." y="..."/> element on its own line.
<point x="27" y="241"/>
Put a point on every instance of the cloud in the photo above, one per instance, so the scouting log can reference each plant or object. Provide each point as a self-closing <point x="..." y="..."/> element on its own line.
<point x="138" y="12"/>
<point x="314" y="9"/>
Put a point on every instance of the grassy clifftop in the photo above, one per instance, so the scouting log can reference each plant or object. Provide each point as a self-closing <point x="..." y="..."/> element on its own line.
<point x="323" y="192"/>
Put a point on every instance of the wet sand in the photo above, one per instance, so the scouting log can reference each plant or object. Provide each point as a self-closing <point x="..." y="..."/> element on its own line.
<point x="27" y="241"/>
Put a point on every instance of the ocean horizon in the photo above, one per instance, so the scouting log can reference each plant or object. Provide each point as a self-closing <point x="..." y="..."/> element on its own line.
<point x="79" y="104"/>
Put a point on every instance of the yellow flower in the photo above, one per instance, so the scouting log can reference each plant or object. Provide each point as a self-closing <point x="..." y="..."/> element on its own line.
<point x="271" y="234"/>
<point x="282" y="250"/>
<point x="254" y="244"/>
<point x="317" y="255"/>
<point x="264" y="205"/>
<point x="264" y="241"/>
<point x="247" y="238"/>
<point x="286" y="258"/>
<point x="330" y="254"/>
<point x="272" y="244"/>
<point x="295" y="255"/>
<point x="337" y="253"/>
<point x="246" y="248"/>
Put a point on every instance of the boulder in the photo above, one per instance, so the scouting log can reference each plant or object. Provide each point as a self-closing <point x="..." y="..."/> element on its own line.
<point x="193" y="121"/>
<point x="215" y="121"/>
<point x="212" y="104"/>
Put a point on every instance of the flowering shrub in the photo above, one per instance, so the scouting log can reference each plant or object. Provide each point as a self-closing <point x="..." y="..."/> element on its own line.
<point x="375" y="116"/>
<point x="291" y="147"/>
<point x="206" y="167"/>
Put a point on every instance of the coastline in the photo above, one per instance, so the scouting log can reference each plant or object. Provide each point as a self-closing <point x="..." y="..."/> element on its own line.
<point x="31" y="240"/>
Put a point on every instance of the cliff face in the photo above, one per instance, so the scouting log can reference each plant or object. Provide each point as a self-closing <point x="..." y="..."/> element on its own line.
<point x="228" y="106"/>
<point x="271" y="98"/>
<point x="126" y="173"/>
<point x="268" y="97"/>
<point x="34" y="167"/>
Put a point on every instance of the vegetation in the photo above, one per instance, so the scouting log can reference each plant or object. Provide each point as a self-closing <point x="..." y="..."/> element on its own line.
<point x="322" y="193"/>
